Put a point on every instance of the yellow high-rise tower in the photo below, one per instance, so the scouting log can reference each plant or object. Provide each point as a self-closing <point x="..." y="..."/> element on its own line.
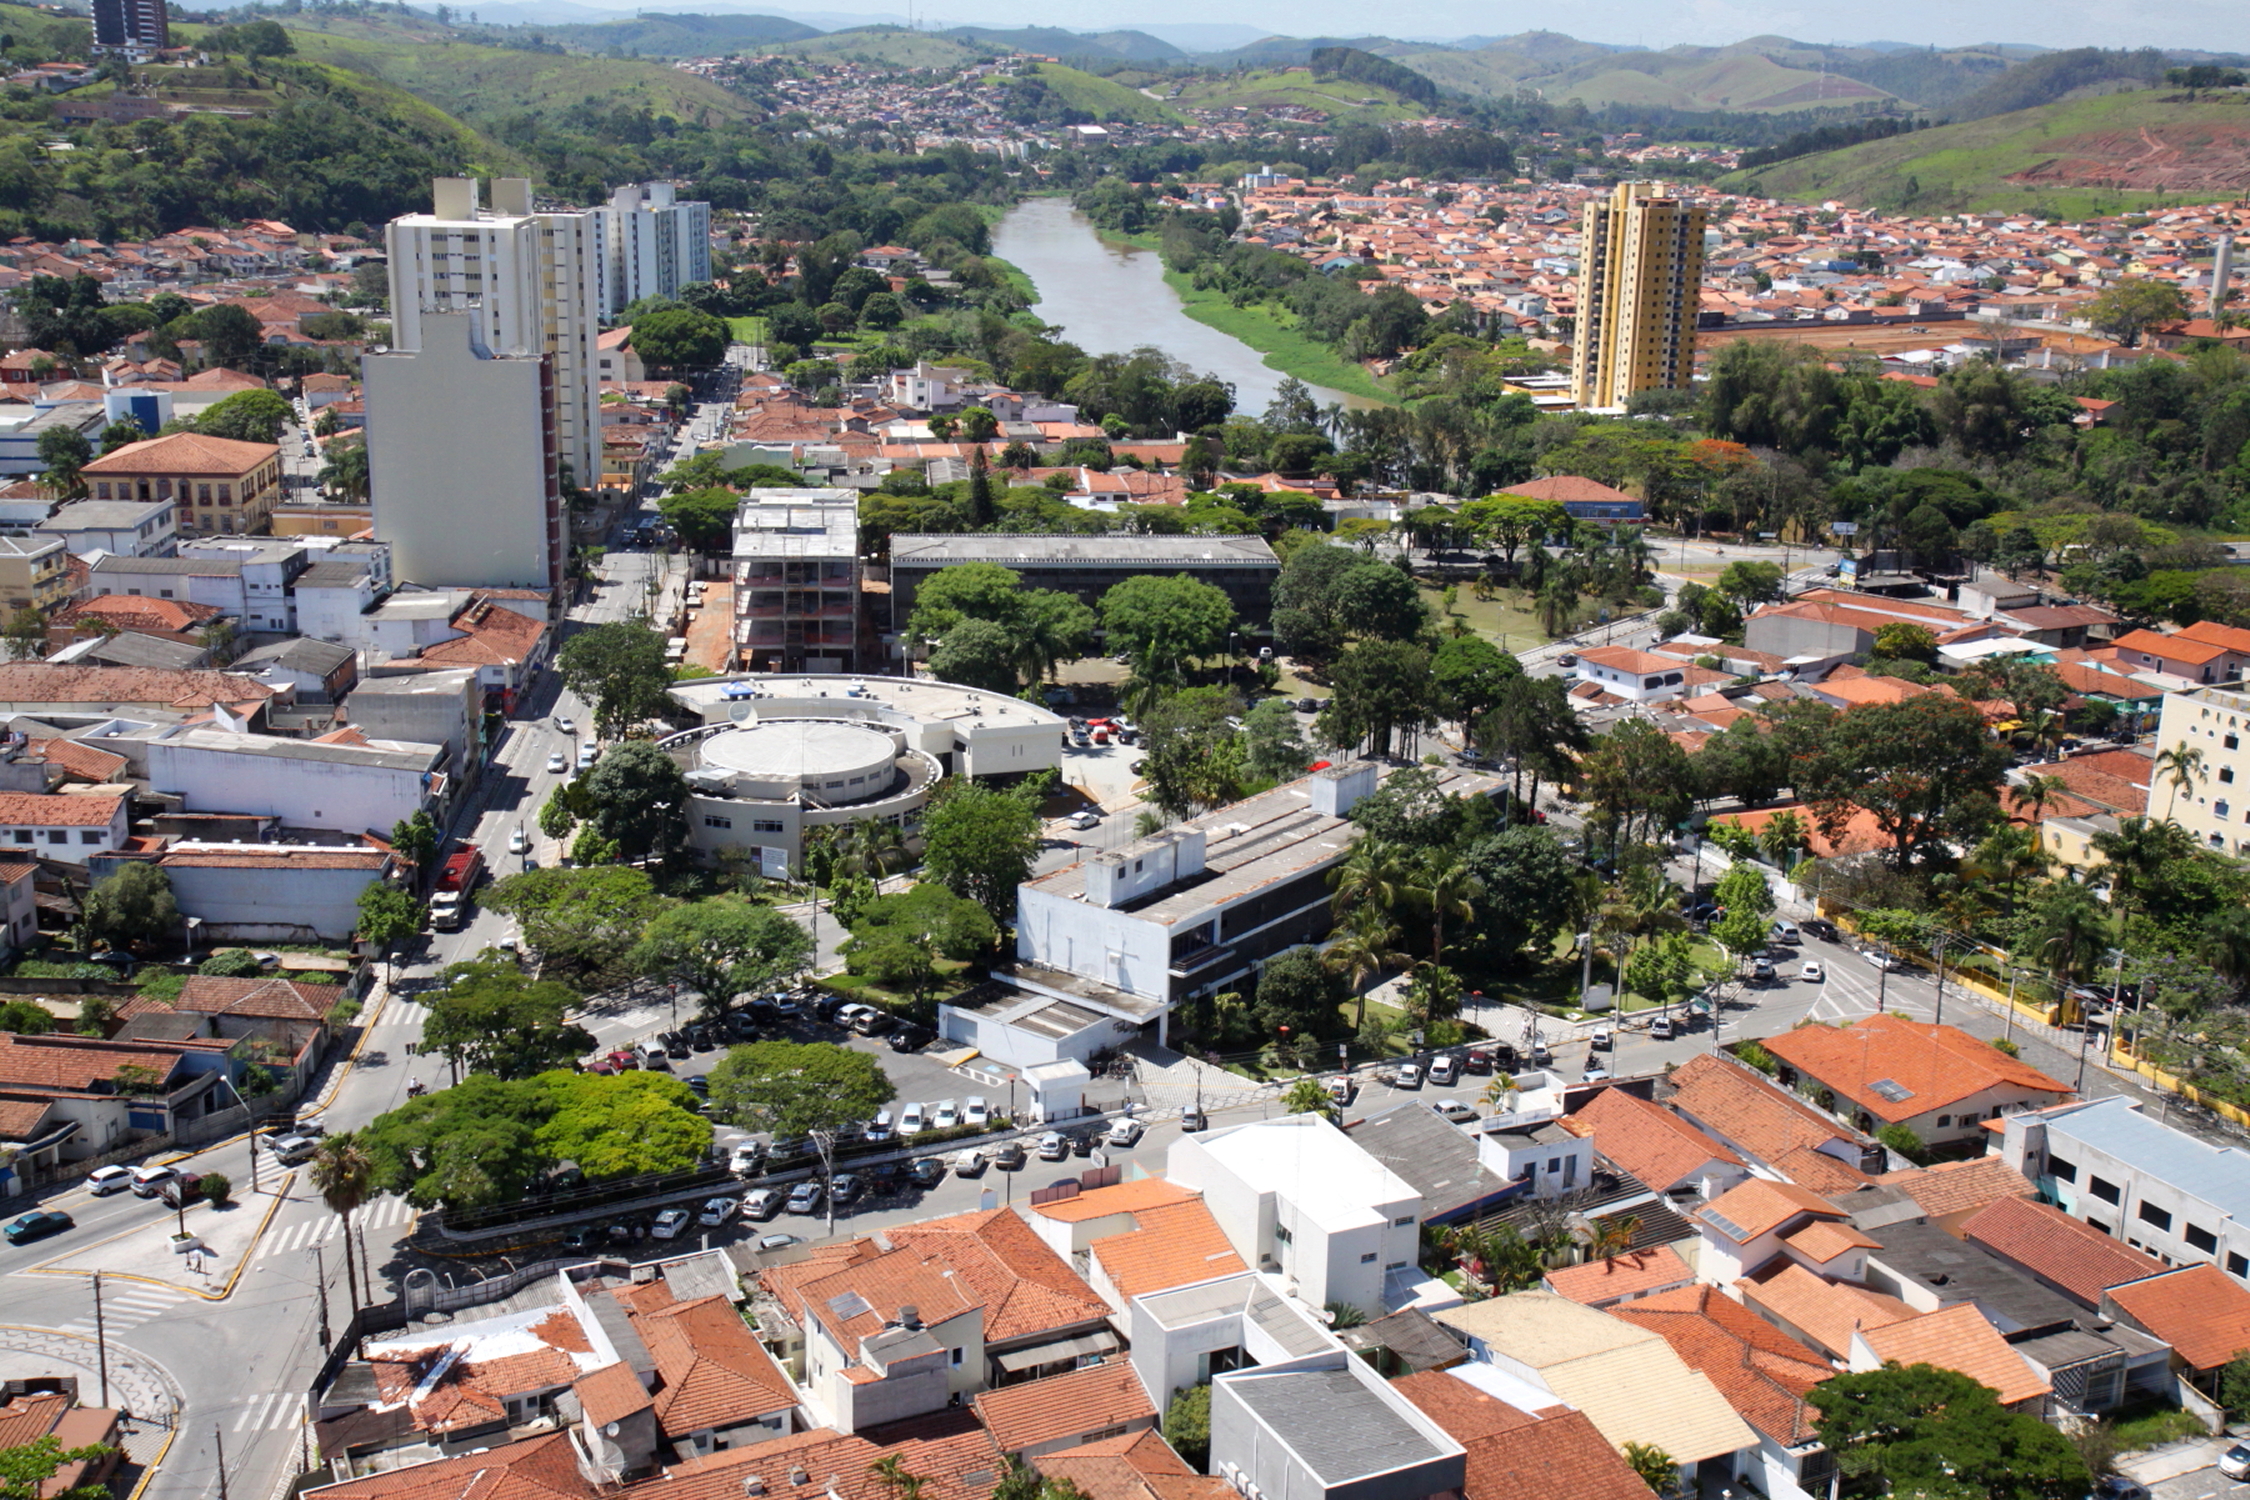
<point x="1640" y="263"/>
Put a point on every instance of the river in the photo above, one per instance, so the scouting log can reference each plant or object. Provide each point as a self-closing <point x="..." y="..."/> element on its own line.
<point x="1111" y="298"/>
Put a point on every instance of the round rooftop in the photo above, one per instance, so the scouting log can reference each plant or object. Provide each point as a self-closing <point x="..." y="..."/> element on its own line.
<point x="836" y="762"/>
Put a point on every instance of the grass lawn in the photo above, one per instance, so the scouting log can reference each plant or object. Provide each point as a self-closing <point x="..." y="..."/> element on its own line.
<point x="1274" y="334"/>
<point x="747" y="330"/>
<point x="2153" y="1429"/>
<point x="1500" y="619"/>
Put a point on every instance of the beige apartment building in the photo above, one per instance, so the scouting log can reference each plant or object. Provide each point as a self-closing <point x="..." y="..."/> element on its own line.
<point x="1640" y="269"/>
<point x="532" y="278"/>
<point x="33" y="574"/>
<point x="2214" y="802"/>
<point x="223" y="487"/>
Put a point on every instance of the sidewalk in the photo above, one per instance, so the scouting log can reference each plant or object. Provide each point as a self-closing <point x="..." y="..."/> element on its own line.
<point x="144" y="1253"/>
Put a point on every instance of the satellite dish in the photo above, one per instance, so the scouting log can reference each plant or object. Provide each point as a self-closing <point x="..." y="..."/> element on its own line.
<point x="611" y="1429"/>
<point x="742" y="712"/>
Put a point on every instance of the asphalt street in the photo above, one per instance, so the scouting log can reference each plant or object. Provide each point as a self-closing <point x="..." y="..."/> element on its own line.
<point x="240" y="1356"/>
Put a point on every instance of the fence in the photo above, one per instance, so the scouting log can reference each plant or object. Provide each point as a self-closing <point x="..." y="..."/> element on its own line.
<point x="2123" y="1058"/>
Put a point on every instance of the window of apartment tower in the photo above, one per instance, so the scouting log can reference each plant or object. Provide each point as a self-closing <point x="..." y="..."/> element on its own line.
<point x="203" y="494"/>
<point x="226" y="494"/>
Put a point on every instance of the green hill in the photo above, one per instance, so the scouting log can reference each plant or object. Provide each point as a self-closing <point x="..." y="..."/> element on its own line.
<point x="1295" y="88"/>
<point x="482" y="83"/>
<point x="328" y="149"/>
<point x="2110" y="154"/>
<point x="1052" y="41"/>
<point x="890" y="46"/>
<point x="652" y="34"/>
<point x="1101" y="97"/>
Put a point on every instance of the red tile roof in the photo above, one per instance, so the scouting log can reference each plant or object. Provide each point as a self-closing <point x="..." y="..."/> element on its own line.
<point x="36" y="810"/>
<point x="540" y="1468"/>
<point x="1936" y="1066"/>
<point x="52" y="682"/>
<point x="1026" y="1288"/>
<point x="1614" y="1278"/>
<point x="1764" y="1373"/>
<point x="1512" y="1454"/>
<point x="1064" y="1406"/>
<point x="2202" y="1312"/>
<point x="955" y="1462"/>
<point x="1733" y="1101"/>
<point x="1958" y="1338"/>
<point x="272" y="999"/>
<point x="713" y="1371"/>
<point x="1175" y="1244"/>
<point x="2075" y="1256"/>
<point x="1954" y="1187"/>
<point x="184" y="453"/>
<point x="1647" y="1140"/>
<point x="1759" y="1206"/>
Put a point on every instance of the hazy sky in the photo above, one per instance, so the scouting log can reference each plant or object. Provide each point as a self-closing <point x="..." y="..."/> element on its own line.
<point x="2213" y="25"/>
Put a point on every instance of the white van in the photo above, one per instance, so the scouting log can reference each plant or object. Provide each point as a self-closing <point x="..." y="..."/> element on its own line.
<point x="149" y="1181"/>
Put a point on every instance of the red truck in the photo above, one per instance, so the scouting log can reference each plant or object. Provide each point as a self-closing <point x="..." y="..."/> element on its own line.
<point x="457" y="878"/>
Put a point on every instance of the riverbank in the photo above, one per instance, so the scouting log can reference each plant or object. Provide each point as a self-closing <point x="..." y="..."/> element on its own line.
<point x="1272" y="333"/>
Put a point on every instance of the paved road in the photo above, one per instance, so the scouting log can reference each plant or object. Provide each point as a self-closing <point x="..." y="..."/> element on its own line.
<point x="241" y="1364"/>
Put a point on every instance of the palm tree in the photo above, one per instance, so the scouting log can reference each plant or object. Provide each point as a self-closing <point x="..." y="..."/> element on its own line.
<point x="1558" y="607"/>
<point x="1307" y="1096"/>
<point x="1654" y="1465"/>
<point x="1614" y="1237"/>
<point x="2135" y="858"/>
<point x="1445" y="887"/>
<point x="2182" y="766"/>
<point x="344" y="1176"/>
<point x="870" y="847"/>
<point x="1376" y="874"/>
<point x="1364" y="950"/>
<point x="2037" y="794"/>
<point x="2072" y="931"/>
<point x="2007" y="857"/>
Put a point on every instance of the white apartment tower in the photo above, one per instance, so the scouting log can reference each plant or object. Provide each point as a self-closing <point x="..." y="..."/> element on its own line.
<point x="463" y="462"/>
<point x="534" y="280"/>
<point x="652" y="245"/>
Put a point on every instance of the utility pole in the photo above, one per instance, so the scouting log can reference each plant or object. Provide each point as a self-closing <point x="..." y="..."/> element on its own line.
<point x="218" y="1439"/>
<point x="320" y="1271"/>
<point x="101" y="1338"/>
<point x="1937" y="948"/>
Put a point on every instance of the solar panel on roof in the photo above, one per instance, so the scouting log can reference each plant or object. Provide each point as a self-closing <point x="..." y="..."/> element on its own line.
<point x="1891" y="1089"/>
<point x="848" y="1306"/>
<point x="1732" y="1230"/>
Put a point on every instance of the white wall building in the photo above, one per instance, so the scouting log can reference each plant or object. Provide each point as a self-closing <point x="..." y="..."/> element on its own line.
<point x="463" y="457"/>
<point x="2106" y="1163"/>
<point x="1296" y="1197"/>
<point x="533" y="281"/>
<point x="304" y="783"/>
<point x="66" y="829"/>
<point x="135" y="528"/>
<point x="272" y="892"/>
<point x="652" y="244"/>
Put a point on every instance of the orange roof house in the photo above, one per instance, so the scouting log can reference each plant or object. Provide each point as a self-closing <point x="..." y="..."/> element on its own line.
<point x="1938" y="1081"/>
<point x="1955" y="1338"/>
<point x="1765" y="1374"/>
<point x="221" y="485"/>
<point x="1658" y="1147"/>
<point x="1066" y="1411"/>
<point x="1554" y="1453"/>
<point x="2065" y="1254"/>
<point x="2201" y="1311"/>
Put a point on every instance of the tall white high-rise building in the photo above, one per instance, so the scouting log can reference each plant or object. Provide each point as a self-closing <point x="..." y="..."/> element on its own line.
<point x="462" y="460"/>
<point x="534" y="280"/>
<point x="652" y="244"/>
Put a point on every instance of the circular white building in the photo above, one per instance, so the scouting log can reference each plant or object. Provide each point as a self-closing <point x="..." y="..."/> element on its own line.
<point x="778" y="755"/>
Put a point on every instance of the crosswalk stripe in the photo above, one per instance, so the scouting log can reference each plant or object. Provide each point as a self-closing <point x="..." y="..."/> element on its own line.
<point x="259" y="1414"/>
